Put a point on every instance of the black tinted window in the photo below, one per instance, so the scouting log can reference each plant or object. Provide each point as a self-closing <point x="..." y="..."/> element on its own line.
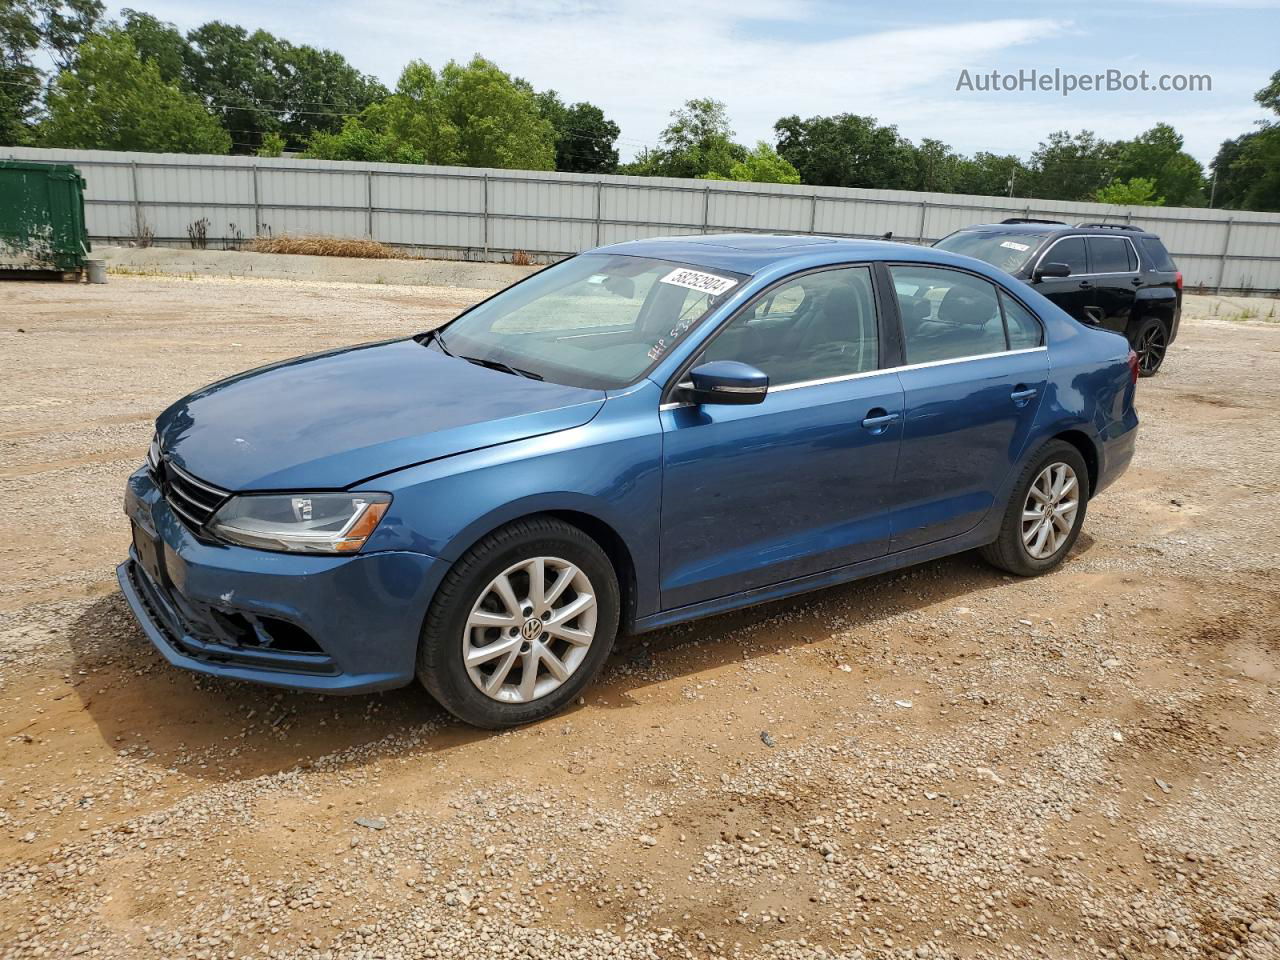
<point x="1108" y="255"/>
<point x="947" y="314"/>
<point x="1069" y="251"/>
<point x="1157" y="254"/>
<point x="1133" y="256"/>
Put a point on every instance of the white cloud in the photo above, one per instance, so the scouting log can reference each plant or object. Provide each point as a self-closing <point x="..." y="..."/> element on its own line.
<point x="640" y="60"/>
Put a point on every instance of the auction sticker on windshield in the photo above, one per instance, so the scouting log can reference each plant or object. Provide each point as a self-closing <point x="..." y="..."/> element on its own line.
<point x="697" y="280"/>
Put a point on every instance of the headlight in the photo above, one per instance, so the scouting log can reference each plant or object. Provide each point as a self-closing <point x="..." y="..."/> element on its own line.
<point x="301" y="522"/>
<point x="153" y="453"/>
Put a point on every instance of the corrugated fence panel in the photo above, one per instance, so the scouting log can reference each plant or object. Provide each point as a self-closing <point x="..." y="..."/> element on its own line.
<point x="476" y="213"/>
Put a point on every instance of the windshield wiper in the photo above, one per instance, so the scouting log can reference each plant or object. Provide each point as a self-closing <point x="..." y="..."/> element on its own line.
<point x="504" y="367"/>
<point x="425" y="338"/>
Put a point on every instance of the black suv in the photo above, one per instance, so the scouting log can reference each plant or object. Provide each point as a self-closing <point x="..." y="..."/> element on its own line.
<point x="1112" y="275"/>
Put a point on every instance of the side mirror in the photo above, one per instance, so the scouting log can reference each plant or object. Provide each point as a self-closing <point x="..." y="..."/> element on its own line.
<point x="725" y="381"/>
<point x="1051" y="270"/>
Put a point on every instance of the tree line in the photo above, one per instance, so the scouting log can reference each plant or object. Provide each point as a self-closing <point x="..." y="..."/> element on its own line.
<point x="141" y="84"/>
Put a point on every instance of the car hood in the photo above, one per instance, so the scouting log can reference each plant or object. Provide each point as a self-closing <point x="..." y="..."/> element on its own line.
<point x="333" y="419"/>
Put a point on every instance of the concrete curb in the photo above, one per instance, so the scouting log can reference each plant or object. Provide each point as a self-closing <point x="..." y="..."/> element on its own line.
<point x="276" y="266"/>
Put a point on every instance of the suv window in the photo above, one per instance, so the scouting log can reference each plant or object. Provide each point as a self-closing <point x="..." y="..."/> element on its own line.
<point x="1021" y="324"/>
<point x="816" y="326"/>
<point x="1157" y="254"/>
<point x="947" y="314"/>
<point x="1108" y="255"/>
<point x="1069" y="251"/>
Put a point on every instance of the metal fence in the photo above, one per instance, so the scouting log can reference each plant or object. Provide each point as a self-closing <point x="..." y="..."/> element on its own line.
<point x="471" y="213"/>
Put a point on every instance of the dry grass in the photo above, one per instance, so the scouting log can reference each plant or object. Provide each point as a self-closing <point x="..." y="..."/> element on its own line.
<point x="317" y="245"/>
<point x="521" y="259"/>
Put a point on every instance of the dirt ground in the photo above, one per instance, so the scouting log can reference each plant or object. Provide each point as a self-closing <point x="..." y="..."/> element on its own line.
<point x="945" y="762"/>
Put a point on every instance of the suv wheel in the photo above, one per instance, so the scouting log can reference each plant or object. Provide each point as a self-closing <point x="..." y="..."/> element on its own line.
<point x="1045" y="513"/>
<point x="1150" y="342"/>
<point x="520" y="625"/>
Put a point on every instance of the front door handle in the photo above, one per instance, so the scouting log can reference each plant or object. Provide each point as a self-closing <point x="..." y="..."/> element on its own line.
<point x="1021" y="394"/>
<point x="878" y="419"/>
<point x="1086" y="285"/>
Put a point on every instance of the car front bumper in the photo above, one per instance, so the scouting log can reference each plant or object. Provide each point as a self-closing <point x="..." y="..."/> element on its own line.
<point x="322" y="623"/>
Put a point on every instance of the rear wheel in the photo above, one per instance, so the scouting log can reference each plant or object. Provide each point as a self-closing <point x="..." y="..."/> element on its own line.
<point x="1150" y="343"/>
<point x="1045" y="513"/>
<point x="520" y="625"/>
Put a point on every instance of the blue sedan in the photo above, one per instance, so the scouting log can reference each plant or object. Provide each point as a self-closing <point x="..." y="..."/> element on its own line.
<point x="646" y="433"/>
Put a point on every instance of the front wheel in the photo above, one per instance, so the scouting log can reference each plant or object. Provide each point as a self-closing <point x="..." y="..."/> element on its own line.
<point x="520" y="625"/>
<point x="1045" y="513"/>
<point x="1150" y="343"/>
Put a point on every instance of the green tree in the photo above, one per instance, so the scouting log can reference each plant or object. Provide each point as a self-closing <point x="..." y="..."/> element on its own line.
<point x="115" y="101"/>
<point x="257" y="83"/>
<point x="1135" y="192"/>
<point x="761" y="165"/>
<point x="698" y="142"/>
<point x="272" y="145"/>
<point x="160" y="43"/>
<point x="65" y="25"/>
<point x="847" y="151"/>
<point x="497" y="120"/>
<point x="991" y="175"/>
<point x="359" y="141"/>
<point x="473" y="115"/>
<point x="1251" y="167"/>
<point x="585" y="138"/>
<point x="1157" y="155"/>
<point x="1066" y="167"/>
<point x="19" y="78"/>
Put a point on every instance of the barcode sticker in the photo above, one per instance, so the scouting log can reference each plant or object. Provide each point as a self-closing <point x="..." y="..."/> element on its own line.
<point x="696" y="280"/>
<point x="1020" y="247"/>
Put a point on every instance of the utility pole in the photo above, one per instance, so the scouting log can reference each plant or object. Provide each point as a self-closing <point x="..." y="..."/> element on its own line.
<point x="1213" y="186"/>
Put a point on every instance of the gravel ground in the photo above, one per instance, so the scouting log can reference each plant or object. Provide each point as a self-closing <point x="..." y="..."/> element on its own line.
<point x="945" y="762"/>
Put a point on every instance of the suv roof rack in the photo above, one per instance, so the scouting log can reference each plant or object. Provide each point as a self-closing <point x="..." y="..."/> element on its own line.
<point x="1034" y="220"/>
<point x="1114" y="226"/>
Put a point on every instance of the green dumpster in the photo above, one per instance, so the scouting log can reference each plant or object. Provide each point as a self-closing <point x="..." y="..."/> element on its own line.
<point x="41" y="218"/>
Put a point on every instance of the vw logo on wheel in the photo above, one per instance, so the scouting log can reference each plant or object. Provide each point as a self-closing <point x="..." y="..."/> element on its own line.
<point x="532" y="629"/>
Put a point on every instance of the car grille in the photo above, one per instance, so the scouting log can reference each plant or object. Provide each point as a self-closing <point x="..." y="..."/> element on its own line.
<point x="194" y="501"/>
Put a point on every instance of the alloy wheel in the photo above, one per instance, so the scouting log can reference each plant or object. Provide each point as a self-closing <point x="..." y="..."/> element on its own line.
<point x="1151" y="348"/>
<point x="1050" y="510"/>
<point x="529" y="630"/>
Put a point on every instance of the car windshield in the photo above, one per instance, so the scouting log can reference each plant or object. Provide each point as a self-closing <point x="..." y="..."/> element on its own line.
<point x="596" y="320"/>
<point x="1009" y="250"/>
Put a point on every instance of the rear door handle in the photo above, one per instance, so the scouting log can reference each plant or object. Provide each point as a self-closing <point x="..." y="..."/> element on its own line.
<point x="878" y="419"/>
<point x="1136" y="281"/>
<point x="1022" y="394"/>
<point x="1086" y="285"/>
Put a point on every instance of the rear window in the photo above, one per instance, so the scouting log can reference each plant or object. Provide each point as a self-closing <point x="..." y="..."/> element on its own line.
<point x="1006" y="249"/>
<point x="1157" y="254"/>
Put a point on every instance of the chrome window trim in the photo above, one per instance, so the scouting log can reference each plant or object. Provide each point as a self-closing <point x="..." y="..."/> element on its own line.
<point x="875" y="373"/>
<point x="1086" y="237"/>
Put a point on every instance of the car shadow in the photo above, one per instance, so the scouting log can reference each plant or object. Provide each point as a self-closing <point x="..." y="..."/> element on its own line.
<point x="221" y="730"/>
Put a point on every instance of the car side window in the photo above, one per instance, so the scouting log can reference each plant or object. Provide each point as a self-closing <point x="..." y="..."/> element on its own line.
<point x="1109" y="254"/>
<point x="946" y="314"/>
<point x="1069" y="251"/>
<point x="1020" y="324"/>
<point x="816" y="326"/>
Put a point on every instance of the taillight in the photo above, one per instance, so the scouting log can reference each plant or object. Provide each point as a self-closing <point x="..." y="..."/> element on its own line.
<point x="1177" y="279"/>
<point x="1133" y="365"/>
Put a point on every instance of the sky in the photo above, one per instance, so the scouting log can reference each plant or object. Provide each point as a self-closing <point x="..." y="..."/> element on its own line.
<point x="897" y="61"/>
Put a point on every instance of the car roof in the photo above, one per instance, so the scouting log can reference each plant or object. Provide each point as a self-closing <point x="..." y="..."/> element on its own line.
<point x="752" y="253"/>
<point x="1041" y="228"/>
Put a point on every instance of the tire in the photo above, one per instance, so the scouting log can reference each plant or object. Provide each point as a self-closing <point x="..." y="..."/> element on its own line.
<point x="469" y="614"/>
<point x="1011" y="550"/>
<point x="1151" y="342"/>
